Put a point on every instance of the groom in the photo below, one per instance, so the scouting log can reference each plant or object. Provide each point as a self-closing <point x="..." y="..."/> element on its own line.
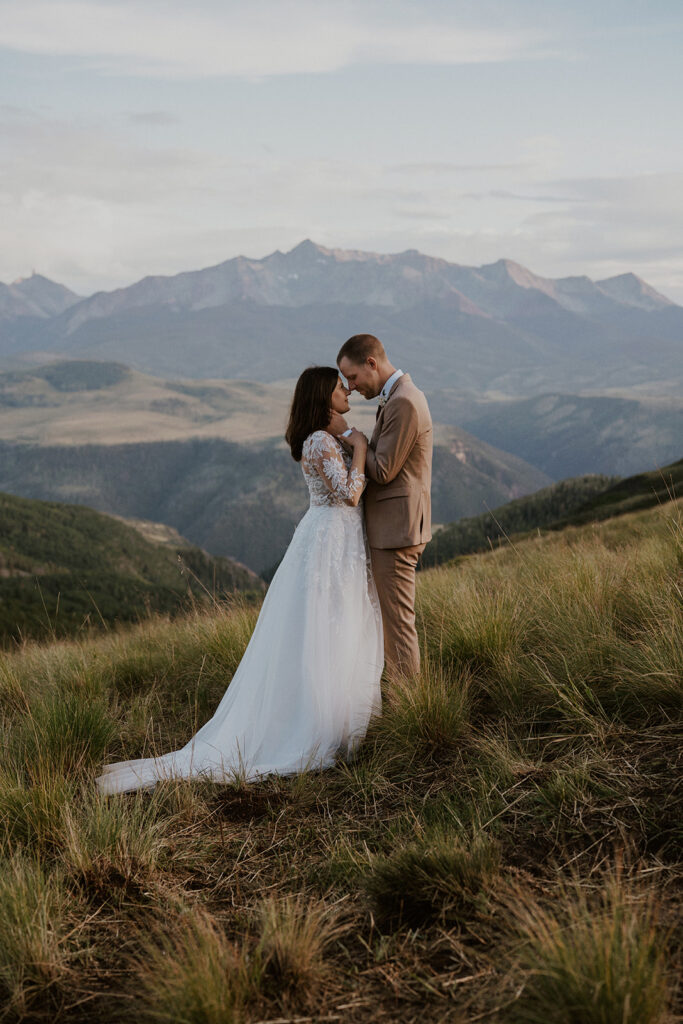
<point x="397" y="499"/>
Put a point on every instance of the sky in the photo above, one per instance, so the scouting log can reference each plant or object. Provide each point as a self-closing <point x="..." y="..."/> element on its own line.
<point x="139" y="137"/>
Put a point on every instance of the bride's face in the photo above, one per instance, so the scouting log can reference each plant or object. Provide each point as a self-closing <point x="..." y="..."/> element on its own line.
<point x="339" y="402"/>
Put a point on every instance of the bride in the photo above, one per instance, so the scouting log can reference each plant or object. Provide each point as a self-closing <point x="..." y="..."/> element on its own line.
<point x="309" y="680"/>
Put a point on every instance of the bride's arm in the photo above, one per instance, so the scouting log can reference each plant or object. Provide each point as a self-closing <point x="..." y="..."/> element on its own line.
<point x="326" y="457"/>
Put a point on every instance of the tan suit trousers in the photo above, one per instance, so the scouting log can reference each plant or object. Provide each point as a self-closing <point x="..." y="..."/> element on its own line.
<point x="394" y="572"/>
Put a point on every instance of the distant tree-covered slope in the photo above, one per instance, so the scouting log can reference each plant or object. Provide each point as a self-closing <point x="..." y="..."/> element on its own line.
<point x="66" y="567"/>
<point x="477" y="533"/>
<point x="628" y="495"/>
<point x="570" y="502"/>
<point x="238" y="500"/>
<point x="569" y="435"/>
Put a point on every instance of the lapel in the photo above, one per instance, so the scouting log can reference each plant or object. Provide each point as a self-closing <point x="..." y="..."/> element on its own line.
<point x="380" y="409"/>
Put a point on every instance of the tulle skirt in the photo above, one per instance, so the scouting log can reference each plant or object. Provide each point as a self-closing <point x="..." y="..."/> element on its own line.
<point x="309" y="680"/>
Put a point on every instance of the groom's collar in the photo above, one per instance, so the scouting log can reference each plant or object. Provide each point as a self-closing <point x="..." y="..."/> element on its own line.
<point x="388" y="385"/>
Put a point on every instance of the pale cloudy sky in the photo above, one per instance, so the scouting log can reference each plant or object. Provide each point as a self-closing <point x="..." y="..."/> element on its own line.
<point x="145" y="137"/>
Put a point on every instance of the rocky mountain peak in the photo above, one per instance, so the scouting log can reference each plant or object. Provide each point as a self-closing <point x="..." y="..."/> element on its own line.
<point x="308" y="250"/>
<point x="633" y="290"/>
<point x="37" y="296"/>
<point x="504" y="270"/>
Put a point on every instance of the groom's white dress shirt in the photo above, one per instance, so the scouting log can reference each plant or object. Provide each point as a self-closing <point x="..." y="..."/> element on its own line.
<point x="388" y="385"/>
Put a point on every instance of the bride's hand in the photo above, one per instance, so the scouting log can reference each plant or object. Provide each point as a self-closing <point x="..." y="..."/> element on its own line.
<point x="357" y="439"/>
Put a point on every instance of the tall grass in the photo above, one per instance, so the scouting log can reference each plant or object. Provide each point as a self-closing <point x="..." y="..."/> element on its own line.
<point x="151" y="683"/>
<point x="295" y="932"/>
<point x="577" y="624"/>
<point x="595" y="957"/>
<point x="442" y="877"/>
<point x="189" y="974"/>
<point x="38" y="944"/>
<point x="540" y="735"/>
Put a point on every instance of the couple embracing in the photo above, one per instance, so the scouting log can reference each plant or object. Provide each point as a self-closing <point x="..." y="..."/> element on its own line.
<point x="341" y="605"/>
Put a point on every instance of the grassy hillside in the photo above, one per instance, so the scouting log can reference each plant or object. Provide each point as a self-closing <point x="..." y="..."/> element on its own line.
<point x="569" y="502"/>
<point x="83" y="401"/>
<point x="503" y="848"/>
<point x="64" y="568"/>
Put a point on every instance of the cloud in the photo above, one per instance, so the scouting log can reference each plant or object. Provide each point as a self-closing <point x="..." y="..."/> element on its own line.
<point x="153" y="117"/>
<point x="95" y="207"/>
<point x="611" y="225"/>
<point x="262" y="38"/>
<point x="637" y="217"/>
<point x="445" y="167"/>
<point x="528" y="197"/>
<point x="421" y="213"/>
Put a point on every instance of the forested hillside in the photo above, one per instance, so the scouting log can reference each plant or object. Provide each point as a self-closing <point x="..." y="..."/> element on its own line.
<point x="569" y="502"/>
<point x="65" y="569"/>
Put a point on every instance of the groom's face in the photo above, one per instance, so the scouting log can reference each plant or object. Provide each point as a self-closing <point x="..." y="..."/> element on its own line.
<point x="362" y="377"/>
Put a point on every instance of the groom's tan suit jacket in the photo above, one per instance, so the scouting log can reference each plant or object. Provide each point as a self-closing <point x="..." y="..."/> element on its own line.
<point x="398" y="511"/>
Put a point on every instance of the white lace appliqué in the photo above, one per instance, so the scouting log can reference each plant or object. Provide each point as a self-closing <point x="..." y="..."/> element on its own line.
<point x="326" y="468"/>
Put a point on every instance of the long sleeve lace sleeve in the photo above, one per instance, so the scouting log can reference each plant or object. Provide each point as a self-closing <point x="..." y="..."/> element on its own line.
<point x="323" y="455"/>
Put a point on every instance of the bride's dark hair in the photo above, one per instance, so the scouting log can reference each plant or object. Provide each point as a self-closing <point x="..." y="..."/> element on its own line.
<point x="310" y="405"/>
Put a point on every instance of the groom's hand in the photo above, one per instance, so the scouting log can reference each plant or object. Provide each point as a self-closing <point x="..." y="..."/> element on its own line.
<point x="337" y="424"/>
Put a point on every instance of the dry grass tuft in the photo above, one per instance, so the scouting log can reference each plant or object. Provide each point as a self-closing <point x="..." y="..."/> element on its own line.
<point x="189" y="973"/>
<point x="443" y="877"/>
<point x="594" y="957"/>
<point x="64" y="733"/>
<point x="295" y="932"/>
<point x="426" y="716"/>
<point x="32" y="816"/>
<point x="111" y="845"/>
<point x="38" y="947"/>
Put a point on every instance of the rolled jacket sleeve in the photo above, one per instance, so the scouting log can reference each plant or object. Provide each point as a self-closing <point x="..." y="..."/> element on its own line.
<point x="397" y="436"/>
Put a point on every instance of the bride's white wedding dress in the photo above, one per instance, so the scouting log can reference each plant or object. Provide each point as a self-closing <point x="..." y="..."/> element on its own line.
<point x="309" y="680"/>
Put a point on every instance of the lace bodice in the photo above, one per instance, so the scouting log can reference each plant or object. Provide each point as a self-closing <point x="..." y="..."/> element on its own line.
<point x="327" y="470"/>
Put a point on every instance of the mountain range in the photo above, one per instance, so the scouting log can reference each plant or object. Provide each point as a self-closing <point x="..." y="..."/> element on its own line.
<point x="497" y="326"/>
<point x="166" y="400"/>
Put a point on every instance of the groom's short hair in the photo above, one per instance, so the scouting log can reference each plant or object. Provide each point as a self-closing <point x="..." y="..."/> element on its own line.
<point x="359" y="347"/>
